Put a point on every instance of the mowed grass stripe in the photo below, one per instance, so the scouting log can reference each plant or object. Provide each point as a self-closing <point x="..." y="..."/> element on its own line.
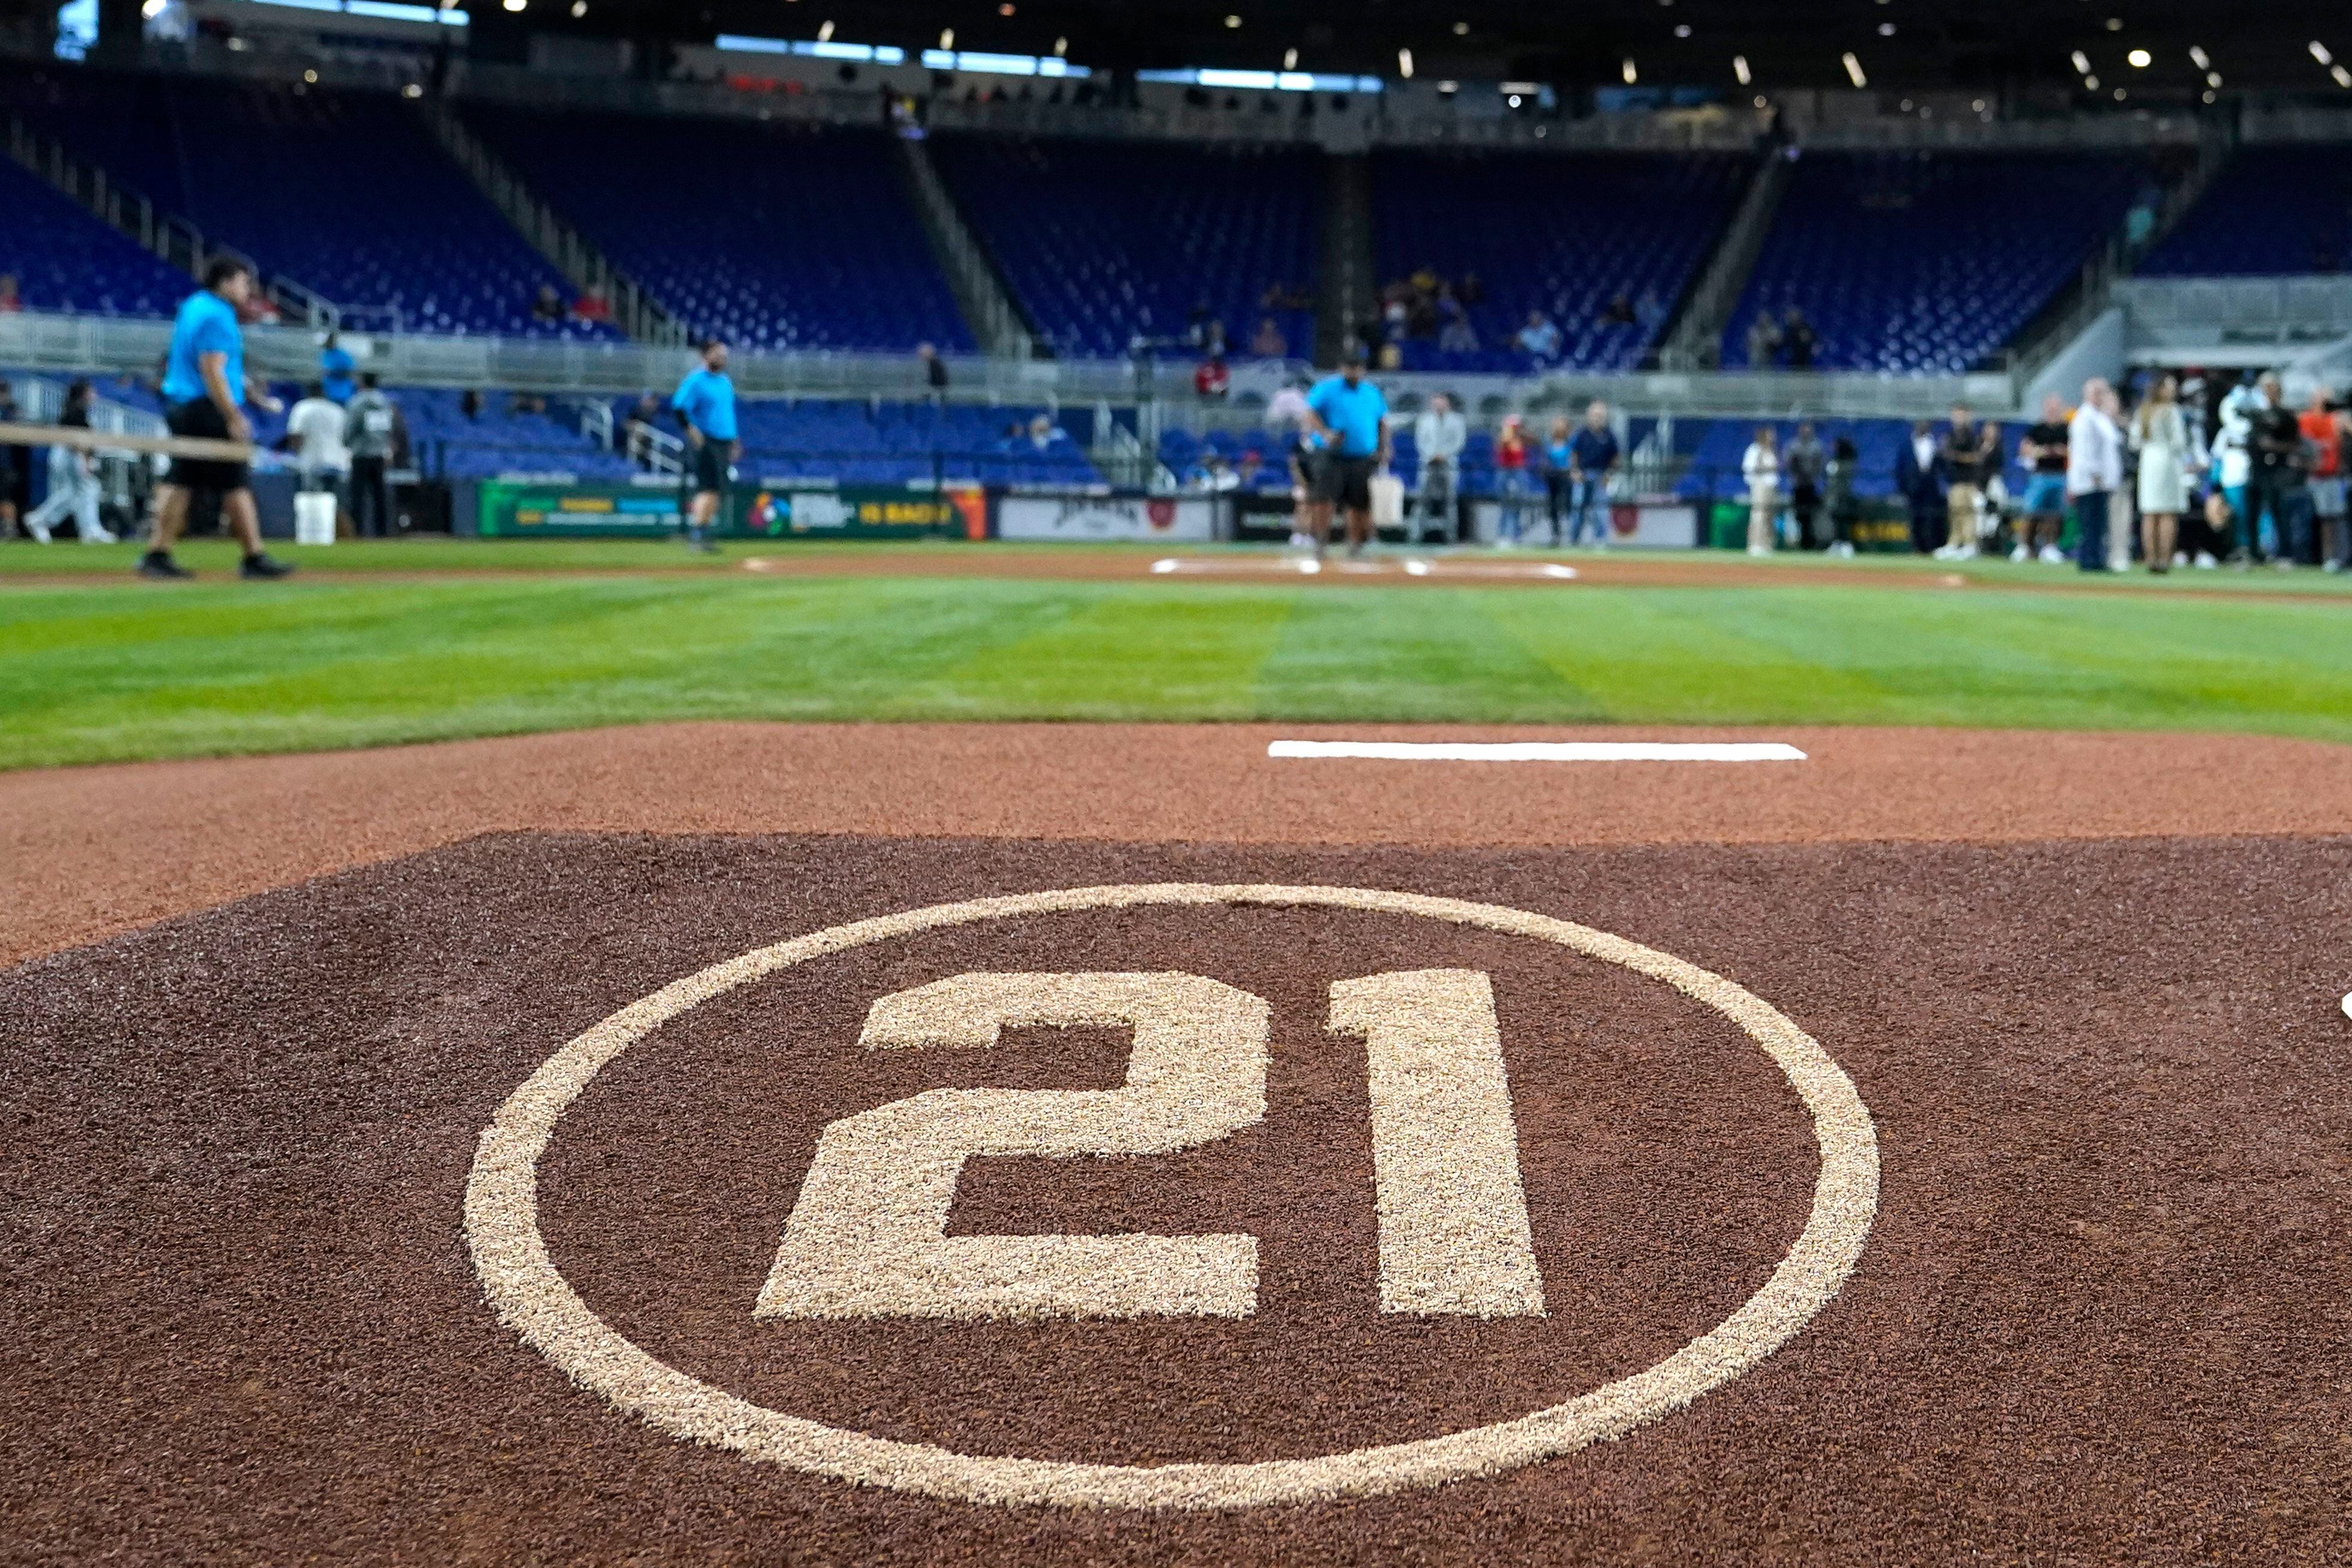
<point x="116" y="673"/>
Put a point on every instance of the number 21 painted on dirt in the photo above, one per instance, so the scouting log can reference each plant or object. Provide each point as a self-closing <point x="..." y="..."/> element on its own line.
<point x="866" y="1237"/>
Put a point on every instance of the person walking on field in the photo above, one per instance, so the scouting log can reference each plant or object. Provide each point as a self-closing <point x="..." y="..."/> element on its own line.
<point x="2162" y="438"/>
<point x="1760" y="466"/>
<point x="2094" y="467"/>
<point x="204" y="391"/>
<point x="1353" y="418"/>
<point x="705" y="404"/>
<point x="73" y="480"/>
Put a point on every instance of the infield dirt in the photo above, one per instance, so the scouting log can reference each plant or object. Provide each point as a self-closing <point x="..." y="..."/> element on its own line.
<point x="2100" y="1316"/>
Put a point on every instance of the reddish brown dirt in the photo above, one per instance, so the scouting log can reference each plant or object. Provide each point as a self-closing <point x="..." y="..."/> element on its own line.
<point x="88" y="852"/>
<point x="2100" y="1317"/>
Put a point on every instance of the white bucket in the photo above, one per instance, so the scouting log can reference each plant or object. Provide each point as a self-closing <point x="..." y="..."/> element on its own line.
<point x="314" y="517"/>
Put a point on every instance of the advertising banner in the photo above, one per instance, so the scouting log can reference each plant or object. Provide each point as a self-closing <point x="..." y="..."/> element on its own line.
<point x="555" y="509"/>
<point x="1191" y="519"/>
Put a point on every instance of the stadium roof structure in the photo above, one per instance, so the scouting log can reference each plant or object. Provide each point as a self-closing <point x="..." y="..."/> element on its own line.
<point x="2157" y="49"/>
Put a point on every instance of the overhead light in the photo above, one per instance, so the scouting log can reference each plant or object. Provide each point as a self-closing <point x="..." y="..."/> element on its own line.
<point x="1461" y="29"/>
<point x="2343" y="78"/>
<point x="2140" y="59"/>
<point x="1290" y="59"/>
<point x="515" y="4"/>
<point x="1232" y="21"/>
<point x="1739" y="69"/>
<point x="1905" y="106"/>
<point x="2197" y="56"/>
<point x="579" y="10"/>
<point x="1061" y="49"/>
<point x="2115" y="24"/>
<point x="2212" y="78"/>
<point x="1404" y="64"/>
<point x="947" y="37"/>
<point x="413" y="89"/>
<point x="2120" y="95"/>
<point x="1513" y="101"/>
<point x="2210" y="97"/>
<point x="1854" y="70"/>
<point x="1763" y="101"/>
<point x="1631" y="75"/>
<point x="2082" y="62"/>
<point x="1448" y="88"/>
<point x="824" y="34"/>
<point x="1005" y="9"/>
<point x="1681" y="29"/>
<point x="2092" y="82"/>
<point x="2319" y="52"/>
<point x="310" y="77"/>
<point x="1978" y="106"/>
<point x="1886" y="29"/>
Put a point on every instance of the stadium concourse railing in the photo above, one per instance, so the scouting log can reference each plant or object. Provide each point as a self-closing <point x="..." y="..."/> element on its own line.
<point x="117" y="345"/>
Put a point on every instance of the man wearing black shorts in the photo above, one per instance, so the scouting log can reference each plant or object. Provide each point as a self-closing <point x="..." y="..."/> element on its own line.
<point x="705" y="402"/>
<point x="1352" y="417"/>
<point x="204" y="389"/>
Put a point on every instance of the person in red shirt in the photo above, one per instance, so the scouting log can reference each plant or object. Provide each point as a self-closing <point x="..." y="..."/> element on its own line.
<point x="1211" y="378"/>
<point x="2324" y="429"/>
<point x="1511" y="455"/>
<point x="9" y="303"/>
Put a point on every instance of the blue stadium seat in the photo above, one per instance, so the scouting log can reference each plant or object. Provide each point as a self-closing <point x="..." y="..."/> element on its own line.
<point x="777" y="236"/>
<point x="344" y="192"/>
<point x="1560" y="233"/>
<point x="2273" y="210"/>
<point x="1924" y="264"/>
<point x="65" y="260"/>
<point x="1105" y="241"/>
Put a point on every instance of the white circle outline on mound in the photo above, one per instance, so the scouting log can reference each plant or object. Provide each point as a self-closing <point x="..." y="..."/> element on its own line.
<point x="532" y="1296"/>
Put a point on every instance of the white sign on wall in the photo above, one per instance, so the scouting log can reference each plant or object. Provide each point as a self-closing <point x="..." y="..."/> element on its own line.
<point x="1189" y="518"/>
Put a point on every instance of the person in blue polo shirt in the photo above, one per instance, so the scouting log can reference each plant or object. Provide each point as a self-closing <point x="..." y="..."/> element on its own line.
<point x="1352" y="417"/>
<point x="705" y="401"/>
<point x="204" y="390"/>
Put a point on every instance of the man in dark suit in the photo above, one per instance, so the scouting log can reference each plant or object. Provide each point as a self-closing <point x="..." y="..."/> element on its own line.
<point x="1919" y="475"/>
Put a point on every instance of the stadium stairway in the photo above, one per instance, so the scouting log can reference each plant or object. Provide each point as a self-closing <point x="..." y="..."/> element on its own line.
<point x="635" y="312"/>
<point x="1344" y="288"/>
<point x="1698" y="323"/>
<point x="980" y="292"/>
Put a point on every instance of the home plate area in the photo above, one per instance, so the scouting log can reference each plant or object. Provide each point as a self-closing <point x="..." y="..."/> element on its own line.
<point x="873" y="1200"/>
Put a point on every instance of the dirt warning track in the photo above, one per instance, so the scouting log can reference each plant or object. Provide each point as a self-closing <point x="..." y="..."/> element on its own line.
<point x="2098" y="1314"/>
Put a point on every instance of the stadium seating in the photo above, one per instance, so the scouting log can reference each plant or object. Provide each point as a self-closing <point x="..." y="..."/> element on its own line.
<point x="499" y="440"/>
<point x="778" y="236"/>
<point x="1103" y="241"/>
<point x="2273" y="210"/>
<point x="65" y="260"/>
<point x="1565" y="233"/>
<point x="860" y="443"/>
<point x="1918" y="263"/>
<point x="346" y="192"/>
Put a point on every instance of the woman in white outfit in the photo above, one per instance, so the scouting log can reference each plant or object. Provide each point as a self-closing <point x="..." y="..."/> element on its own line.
<point x="1760" y="466"/>
<point x="2162" y="438"/>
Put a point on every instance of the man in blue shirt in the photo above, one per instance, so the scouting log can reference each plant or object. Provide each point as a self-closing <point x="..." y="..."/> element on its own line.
<point x="1352" y="417"/>
<point x="335" y="368"/>
<point x="705" y="402"/>
<point x="204" y="389"/>
<point x="1590" y="455"/>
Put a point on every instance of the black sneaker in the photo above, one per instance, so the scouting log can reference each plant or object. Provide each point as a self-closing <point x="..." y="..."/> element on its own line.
<point x="159" y="565"/>
<point x="259" y="565"/>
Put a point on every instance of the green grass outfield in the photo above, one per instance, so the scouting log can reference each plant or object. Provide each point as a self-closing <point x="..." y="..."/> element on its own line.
<point x="96" y="667"/>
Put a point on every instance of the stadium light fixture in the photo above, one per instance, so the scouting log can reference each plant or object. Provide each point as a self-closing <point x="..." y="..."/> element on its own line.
<point x="579" y="10"/>
<point x="1886" y="29"/>
<point x="2120" y="95"/>
<point x="1005" y="9"/>
<point x="1232" y="21"/>
<point x="1404" y="64"/>
<point x="947" y="37"/>
<point x="1461" y="29"/>
<point x="2212" y="78"/>
<point x="2343" y="78"/>
<point x="2082" y="62"/>
<point x="824" y="34"/>
<point x="2319" y="52"/>
<point x="2115" y="24"/>
<point x="1290" y="59"/>
<point x="1681" y="29"/>
<point x="1631" y="75"/>
<point x="2140" y="59"/>
<point x="1739" y="69"/>
<point x="515" y="4"/>
<point x="2198" y="57"/>
<point x="1061" y="49"/>
<point x="2210" y="95"/>
<point x="1854" y="70"/>
<point x="2091" y="82"/>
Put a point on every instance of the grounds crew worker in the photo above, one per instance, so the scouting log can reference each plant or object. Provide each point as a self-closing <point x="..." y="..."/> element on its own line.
<point x="705" y="401"/>
<point x="204" y="389"/>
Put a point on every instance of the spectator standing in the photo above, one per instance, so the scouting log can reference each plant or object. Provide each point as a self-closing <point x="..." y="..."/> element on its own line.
<point x="2043" y="453"/>
<point x="321" y="459"/>
<point x="2274" y="479"/>
<point x="2161" y="437"/>
<point x="2323" y="436"/>
<point x="592" y="307"/>
<point x="335" y="368"/>
<point x="1268" y="343"/>
<point x="2095" y="470"/>
<point x="1512" y="484"/>
<point x="1352" y="415"/>
<point x="1918" y="468"/>
<point x="1802" y="466"/>
<point x="1559" y="460"/>
<point x="547" y="306"/>
<point x="1845" y="509"/>
<point x="371" y="431"/>
<point x="935" y="371"/>
<point x="1438" y="438"/>
<point x="73" y="480"/>
<point x="1457" y="336"/>
<point x="1540" y="340"/>
<point x="1763" y="341"/>
<point x="204" y="390"/>
<point x="1799" y="342"/>
<point x="10" y="301"/>
<point x="9" y="481"/>
<point x="1760" y="466"/>
<point x="1969" y="453"/>
<point x="1592" y="457"/>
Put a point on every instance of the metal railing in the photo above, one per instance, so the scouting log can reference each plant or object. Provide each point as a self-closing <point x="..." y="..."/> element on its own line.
<point x="978" y="290"/>
<point x="1696" y="339"/>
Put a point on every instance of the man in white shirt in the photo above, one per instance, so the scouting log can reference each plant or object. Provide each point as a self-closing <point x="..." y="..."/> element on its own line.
<point x="323" y="459"/>
<point x="2095" y="468"/>
<point x="1439" y="436"/>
